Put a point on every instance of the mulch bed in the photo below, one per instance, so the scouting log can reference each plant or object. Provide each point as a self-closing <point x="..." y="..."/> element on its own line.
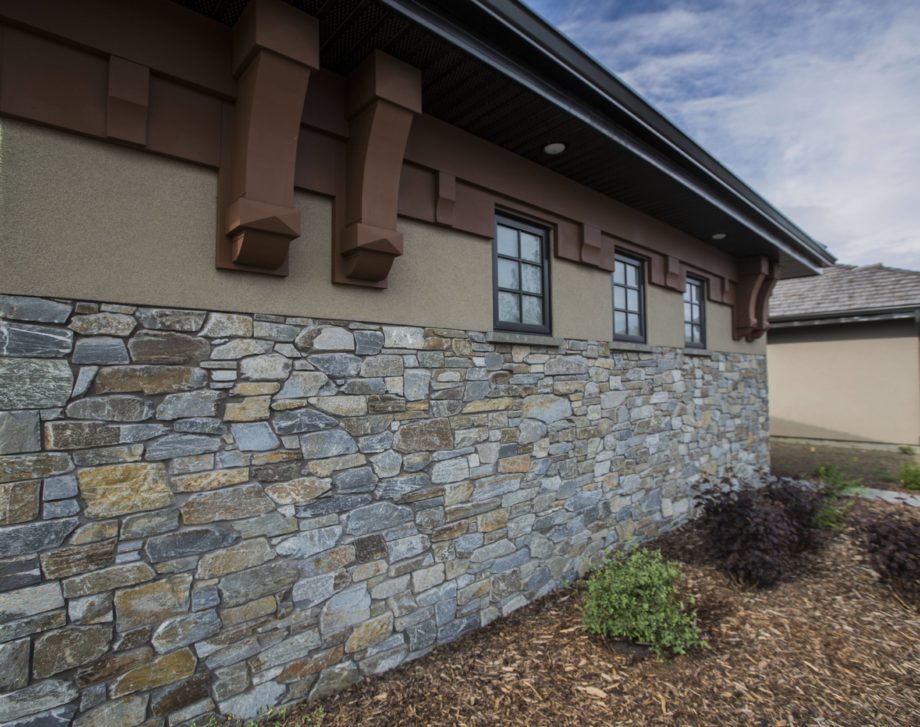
<point x="829" y="646"/>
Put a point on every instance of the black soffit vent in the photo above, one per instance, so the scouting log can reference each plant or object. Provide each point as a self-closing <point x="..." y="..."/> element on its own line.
<point x="494" y="69"/>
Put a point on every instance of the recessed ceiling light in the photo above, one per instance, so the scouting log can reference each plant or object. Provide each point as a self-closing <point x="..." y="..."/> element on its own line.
<point x="719" y="236"/>
<point x="557" y="147"/>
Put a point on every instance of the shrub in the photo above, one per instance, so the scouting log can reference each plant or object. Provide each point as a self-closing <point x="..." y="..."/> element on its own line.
<point x="909" y="476"/>
<point x="894" y="551"/>
<point x="755" y="533"/>
<point x="835" y="486"/>
<point x="635" y="596"/>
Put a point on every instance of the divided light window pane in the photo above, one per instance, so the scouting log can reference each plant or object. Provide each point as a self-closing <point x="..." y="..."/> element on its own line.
<point x="521" y="275"/>
<point x="694" y="313"/>
<point x="628" y="299"/>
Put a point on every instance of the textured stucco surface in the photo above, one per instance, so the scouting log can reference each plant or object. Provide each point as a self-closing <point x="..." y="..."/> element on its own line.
<point x="83" y="218"/>
<point x="855" y="383"/>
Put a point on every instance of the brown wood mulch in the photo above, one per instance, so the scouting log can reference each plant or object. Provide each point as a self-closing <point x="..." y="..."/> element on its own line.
<point x="830" y="646"/>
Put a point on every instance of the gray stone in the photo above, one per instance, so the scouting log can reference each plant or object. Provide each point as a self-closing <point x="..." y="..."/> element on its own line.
<point x="24" y="339"/>
<point x="271" y="367"/>
<point x="547" y="408"/>
<point x="19" y="432"/>
<point x="248" y="585"/>
<point x="34" y="537"/>
<point x="531" y="430"/>
<point x="332" y="443"/>
<point x="400" y="486"/>
<point x="375" y="517"/>
<point x="200" y="425"/>
<point x="251" y="704"/>
<point x="336" y="365"/>
<point x="331" y="505"/>
<point x="254" y="437"/>
<point x="188" y="404"/>
<point x="170" y="319"/>
<point x="368" y="342"/>
<point x="334" y="679"/>
<point x="29" y="601"/>
<point x="566" y="366"/>
<point x="450" y="470"/>
<point x="60" y="508"/>
<point x="184" y="630"/>
<point x="145" y="524"/>
<point x="276" y="331"/>
<point x="133" y="433"/>
<point x="189" y="541"/>
<point x="119" y="408"/>
<point x="359" y="479"/>
<point x="346" y="608"/>
<point x="168" y="347"/>
<point x="240" y="348"/>
<point x="301" y="421"/>
<point x="406" y="547"/>
<point x="325" y="338"/>
<point x="387" y="464"/>
<point x="382" y="366"/>
<point x="84" y="380"/>
<point x="103" y="324"/>
<point x="39" y="310"/>
<point x="19" y="572"/>
<point x="126" y="712"/>
<point x="14" y="655"/>
<point x="29" y="383"/>
<point x="403" y="337"/>
<point x="224" y="325"/>
<point x="312" y="591"/>
<point x="302" y="384"/>
<point x="100" y="350"/>
<point x="37" y="697"/>
<point x="181" y="445"/>
<point x="309" y="542"/>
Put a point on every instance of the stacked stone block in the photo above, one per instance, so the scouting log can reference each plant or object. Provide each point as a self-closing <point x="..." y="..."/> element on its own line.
<point x="205" y="512"/>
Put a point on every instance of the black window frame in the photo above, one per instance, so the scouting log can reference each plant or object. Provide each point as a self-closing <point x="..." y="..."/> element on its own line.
<point x="543" y="232"/>
<point x="638" y="262"/>
<point x="699" y="284"/>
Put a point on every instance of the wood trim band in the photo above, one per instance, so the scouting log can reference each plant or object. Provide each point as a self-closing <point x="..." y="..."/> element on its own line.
<point x="383" y="96"/>
<point x="127" y="102"/>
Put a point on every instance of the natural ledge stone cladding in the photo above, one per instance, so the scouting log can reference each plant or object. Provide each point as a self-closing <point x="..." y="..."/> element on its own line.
<point x="206" y="512"/>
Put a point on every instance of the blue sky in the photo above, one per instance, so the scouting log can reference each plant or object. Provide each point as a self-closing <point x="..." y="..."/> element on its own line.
<point x="815" y="104"/>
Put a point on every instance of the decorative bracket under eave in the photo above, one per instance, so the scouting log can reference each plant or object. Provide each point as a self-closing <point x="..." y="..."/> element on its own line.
<point x="756" y="278"/>
<point x="275" y="47"/>
<point x="384" y="94"/>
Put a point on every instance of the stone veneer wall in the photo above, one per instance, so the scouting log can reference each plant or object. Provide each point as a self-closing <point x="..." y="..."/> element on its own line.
<point x="203" y="511"/>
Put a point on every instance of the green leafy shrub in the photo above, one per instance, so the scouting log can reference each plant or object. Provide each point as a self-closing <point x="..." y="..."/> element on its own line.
<point x="834" y="487"/>
<point x="909" y="476"/>
<point x="907" y="449"/>
<point x="635" y="596"/>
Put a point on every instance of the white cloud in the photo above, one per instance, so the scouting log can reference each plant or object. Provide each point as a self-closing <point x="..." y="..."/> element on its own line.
<point x="815" y="104"/>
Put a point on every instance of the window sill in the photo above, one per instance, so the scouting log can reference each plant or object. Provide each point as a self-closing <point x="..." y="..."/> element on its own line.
<point x="701" y="352"/>
<point x="630" y="346"/>
<point x="525" y="339"/>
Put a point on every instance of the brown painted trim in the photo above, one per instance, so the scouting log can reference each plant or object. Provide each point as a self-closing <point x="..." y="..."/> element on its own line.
<point x="275" y="48"/>
<point x="756" y="279"/>
<point x="127" y="102"/>
<point x="383" y="96"/>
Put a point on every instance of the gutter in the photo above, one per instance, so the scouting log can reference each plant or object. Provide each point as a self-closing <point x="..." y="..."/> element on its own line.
<point x="855" y="316"/>
<point x="543" y="39"/>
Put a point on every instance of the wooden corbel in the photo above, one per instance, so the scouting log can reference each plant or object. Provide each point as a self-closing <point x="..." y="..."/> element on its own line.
<point x="275" y="47"/>
<point x="595" y="249"/>
<point x="756" y="278"/>
<point x="383" y="96"/>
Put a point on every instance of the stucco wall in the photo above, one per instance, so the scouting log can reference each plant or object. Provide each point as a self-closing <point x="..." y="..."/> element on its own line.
<point x="84" y="218"/>
<point x="859" y="382"/>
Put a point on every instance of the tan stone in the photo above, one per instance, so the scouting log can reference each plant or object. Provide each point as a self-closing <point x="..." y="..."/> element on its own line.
<point x="333" y="559"/>
<point x="341" y="405"/>
<point x="19" y="501"/>
<point x="123" y="488"/>
<point x="165" y="669"/>
<point x="57" y="651"/>
<point x="302" y="668"/>
<point x="260" y="458"/>
<point x="34" y="466"/>
<point x="149" y="379"/>
<point x="248" y="611"/>
<point x="298" y="491"/>
<point x="111" y="665"/>
<point x="426" y="435"/>
<point x="80" y="435"/>
<point x="521" y="463"/>
<point x="449" y="532"/>
<point x="369" y="633"/>
<point x="493" y="520"/>
<point x="91" y="532"/>
<point x="108" y="579"/>
<point x="288" y="404"/>
<point x="153" y="602"/>
<point x="251" y="409"/>
<point x="325" y="467"/>
<point x="235" y="558"/>
<point x="210" y="480"/>
<point x="255" y="388"/>
<point x="481" y="405"/>
<point x="231" y="503"/>
<point x="65" y="562"/>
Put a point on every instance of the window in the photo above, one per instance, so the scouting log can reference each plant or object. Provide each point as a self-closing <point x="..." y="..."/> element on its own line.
<point x="695" y="313"/>
<point x="521" y="277"/>
<point x="629" y="299"/>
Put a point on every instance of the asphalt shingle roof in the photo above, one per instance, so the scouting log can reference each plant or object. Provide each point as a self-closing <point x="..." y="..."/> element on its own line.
<point x="846" y="289"/>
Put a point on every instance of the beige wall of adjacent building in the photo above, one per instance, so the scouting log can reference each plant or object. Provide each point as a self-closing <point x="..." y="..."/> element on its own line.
<point x="858" y="383"/>
<point x="87" y="219"/>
